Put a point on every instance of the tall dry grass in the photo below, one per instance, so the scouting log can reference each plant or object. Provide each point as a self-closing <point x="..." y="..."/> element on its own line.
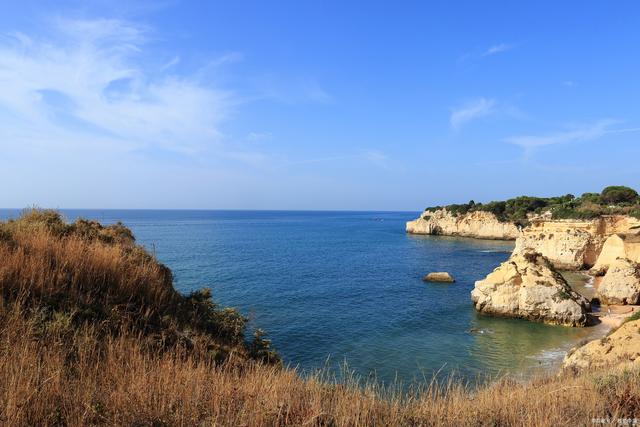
<point x="62" y="366"/>
<point x="95" y="275"/>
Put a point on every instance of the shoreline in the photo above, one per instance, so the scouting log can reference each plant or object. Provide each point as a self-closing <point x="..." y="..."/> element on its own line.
<point x="548" y="358"/>
<point x="611" y="315"/>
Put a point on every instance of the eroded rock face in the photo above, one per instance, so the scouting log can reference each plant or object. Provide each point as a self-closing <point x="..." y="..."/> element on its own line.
<point x="621" y="284"/>
<point x="526" y="286"/>
<point x="479" y="225"/>
<point x="620" y="245"/>
<point x="622" y="346"/>
<point x="573" y="244"/>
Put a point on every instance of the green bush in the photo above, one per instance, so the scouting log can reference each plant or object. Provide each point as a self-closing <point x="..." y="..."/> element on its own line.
<point x="565" y="212"/>
<point x="634" y="316"/>
<point x="619" y="194"/>
<point x="591" y="197"/>
<point x="260" y="349"/>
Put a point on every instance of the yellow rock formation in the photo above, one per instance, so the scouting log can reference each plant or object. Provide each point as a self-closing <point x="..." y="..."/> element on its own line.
<point x="622" y="346"/>
<point x="526" y="286"/>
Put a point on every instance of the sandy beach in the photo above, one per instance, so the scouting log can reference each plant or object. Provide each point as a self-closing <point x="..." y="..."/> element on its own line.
<point x="614" y="315"/>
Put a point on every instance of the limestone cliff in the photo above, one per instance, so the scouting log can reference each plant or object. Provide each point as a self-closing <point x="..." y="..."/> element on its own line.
<point x="526" y="286"/>
<point x="621" y="245"/>
<point x="573" y="244"/>
<point x="478" y="224"/>
<point x="621" y="284"/>
<point x="569" y="244"/>
<point x="622" y="346"/>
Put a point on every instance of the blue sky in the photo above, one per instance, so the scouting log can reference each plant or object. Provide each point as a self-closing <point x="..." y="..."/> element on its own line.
<point x="315" y="105"/>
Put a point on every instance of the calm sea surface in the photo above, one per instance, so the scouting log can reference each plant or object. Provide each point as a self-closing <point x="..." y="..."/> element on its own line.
<point x="331" y="287"/>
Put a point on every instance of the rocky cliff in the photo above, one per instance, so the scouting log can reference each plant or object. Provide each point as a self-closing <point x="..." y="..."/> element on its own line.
<point x="478" y="224"/>
<point x="573" y="244"/>
<point x="621" y="283"/>
<point x="568" y="244"/>
<point x="622" y="346"/>
<point x="621" y="245"/>
<point x="526" y="286"/>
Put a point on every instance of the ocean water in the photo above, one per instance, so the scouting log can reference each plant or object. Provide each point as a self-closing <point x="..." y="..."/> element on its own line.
<point x="345" y="287"/>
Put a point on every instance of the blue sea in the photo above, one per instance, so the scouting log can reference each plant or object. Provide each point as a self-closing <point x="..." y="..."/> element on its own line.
<point x="335" y="288"/>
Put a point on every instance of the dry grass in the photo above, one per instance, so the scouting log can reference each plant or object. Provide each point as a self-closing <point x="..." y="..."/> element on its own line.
<point x="105" y="367"/>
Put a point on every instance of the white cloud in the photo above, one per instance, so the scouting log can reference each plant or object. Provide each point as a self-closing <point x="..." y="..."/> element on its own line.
<point x="586" y="132"/>
<point x="88" y="83"/>
<point x="292" y="89"/>
<point x="173" y="62"/>
<point x="314" y="92"/>
<point x="490" y="51"/>
<point x="259" y="136"/>
<point x="373" y="156"/>
<point x="377" y="158"/>
<point x="498" y="48"/>
<point x="473" y="110"/>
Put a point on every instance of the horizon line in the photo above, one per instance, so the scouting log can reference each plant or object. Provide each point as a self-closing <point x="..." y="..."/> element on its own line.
<point x="214" y="209"/>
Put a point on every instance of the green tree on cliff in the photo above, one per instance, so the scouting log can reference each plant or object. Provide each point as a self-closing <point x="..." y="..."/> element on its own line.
<point x="619" y="194"/>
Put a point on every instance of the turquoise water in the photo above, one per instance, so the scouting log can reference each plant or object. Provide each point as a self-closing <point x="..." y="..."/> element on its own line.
<point x="331" y="287"/>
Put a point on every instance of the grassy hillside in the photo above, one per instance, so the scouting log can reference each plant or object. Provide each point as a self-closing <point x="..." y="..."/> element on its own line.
<point x="611" y="200"/>
<point x="84" y="275"/>
<point x="92" y="332"/>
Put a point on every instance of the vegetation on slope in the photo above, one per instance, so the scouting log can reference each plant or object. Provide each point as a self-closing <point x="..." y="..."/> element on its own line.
<point x="85" y="275"/>
<point x="93" y="333"/>
<point x="612" y="200"/>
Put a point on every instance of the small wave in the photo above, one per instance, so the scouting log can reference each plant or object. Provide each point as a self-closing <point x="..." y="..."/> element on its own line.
<point x="549" y="355"/>
<point x="495" y="251"/>
<point x="589" y="282"/>
<point x="480" y="331"/>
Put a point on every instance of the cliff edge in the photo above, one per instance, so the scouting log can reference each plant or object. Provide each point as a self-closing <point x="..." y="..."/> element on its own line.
<point x="477" y="224"/>
<point x="574" y="244"/>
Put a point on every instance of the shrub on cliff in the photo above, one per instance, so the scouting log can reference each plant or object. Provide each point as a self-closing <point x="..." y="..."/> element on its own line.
<point x="568" y="212"/>
<point x="591" y="198"/>
<point x="619" y="194"/>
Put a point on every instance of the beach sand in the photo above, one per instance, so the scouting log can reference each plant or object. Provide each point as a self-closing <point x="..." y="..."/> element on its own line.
<point x="611" y="316"/>
<point x="614" y="315"/>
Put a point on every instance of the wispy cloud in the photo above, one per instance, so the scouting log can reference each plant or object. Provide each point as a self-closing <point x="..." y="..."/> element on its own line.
<point x="472" y="110"/>
<point x="314" y="92"/>
<point x="483" y="53"/>
<point x="498" y="48"/>
<point x="373" y="156"/>
<point x="171" y="63"/>
<point x="89" y="82"/>
<point x="292" y="89"/>
<point x="259" y="136"/>
<point x="587" y="132"/>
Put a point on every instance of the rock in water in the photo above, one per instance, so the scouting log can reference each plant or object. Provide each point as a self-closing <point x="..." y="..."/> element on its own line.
<point x="526" y="286"/>
<point x="621" y="284"/>
<point x="438" y="276"/>
<point x="621" y="347"/>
